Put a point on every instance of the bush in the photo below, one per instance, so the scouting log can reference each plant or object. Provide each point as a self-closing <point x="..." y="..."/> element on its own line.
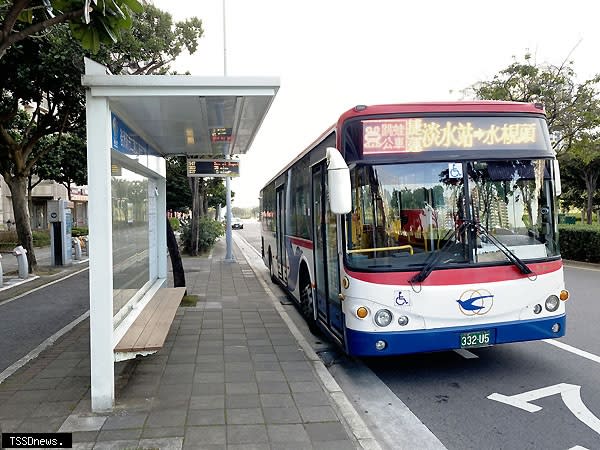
<point x="175" y="224"/>
<point x="580" y="242"/>
<point x="209" y="231"/>
<point x="79" y="231"/>
<point x="9" y="239"/>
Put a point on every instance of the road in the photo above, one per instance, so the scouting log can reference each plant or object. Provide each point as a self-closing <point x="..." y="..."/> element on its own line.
<point x="31" y="319"/>
<point x="448" y="393"/>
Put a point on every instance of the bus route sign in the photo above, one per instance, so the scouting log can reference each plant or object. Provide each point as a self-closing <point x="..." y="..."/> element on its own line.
<point x="213" y="168"/>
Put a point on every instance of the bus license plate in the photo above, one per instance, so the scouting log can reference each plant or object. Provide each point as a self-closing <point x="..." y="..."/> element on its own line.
<point x="475" y="339"/>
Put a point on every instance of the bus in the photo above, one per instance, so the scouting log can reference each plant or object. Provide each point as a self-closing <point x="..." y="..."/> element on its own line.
<point x="422" y="227"/>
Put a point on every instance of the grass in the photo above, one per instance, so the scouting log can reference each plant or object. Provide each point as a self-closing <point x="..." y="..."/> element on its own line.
<point x="189" y="300"/>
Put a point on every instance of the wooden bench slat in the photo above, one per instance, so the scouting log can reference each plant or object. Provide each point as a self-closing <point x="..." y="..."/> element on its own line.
<point x="163" y="323"/>
<point x="137" y="327"/>
<point x="149" y="331"/>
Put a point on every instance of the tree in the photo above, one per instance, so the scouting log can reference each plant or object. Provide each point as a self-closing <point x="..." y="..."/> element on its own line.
<point x="45" y="73"/>
<point x="582" y="162"/>
<point x="179" y="194"/>
<point x="153" y="44"/>
<point x="91" y="21"/>
<point x="571" y="107"/>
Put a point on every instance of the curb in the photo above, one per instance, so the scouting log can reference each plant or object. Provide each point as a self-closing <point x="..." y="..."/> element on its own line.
<point x="354" y="422"/>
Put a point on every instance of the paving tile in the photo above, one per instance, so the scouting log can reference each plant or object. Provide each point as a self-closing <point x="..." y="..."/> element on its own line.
<point x="278" y="415"/>
<point x="119" y="435"/>
<point x="208" y="388"/>
<point x="41" y="425"/>
<point x="311" y="398"/>
<point x="335" y="445"/>
<point x="206" y="417"/>
<point x="161" y="443"/>
<point x="205" y="435"/>
<point x="329" y="431"/>
<point x="245" y="416"/>
<point x="246" y="434"/>
<point x="273" y="387"/>
<point x="287" y="433"/>
<point x="125" y="421"/>
<point x="82" y="423"/>
<point x="166" y="418"/>
<point x="154" y="433"/>
<point x="241" y="388"/>
<point x="305" y="386"/>
<point x="116" y="445"/>
<point x="207" y="402"/>
<point x="317" y="414"/>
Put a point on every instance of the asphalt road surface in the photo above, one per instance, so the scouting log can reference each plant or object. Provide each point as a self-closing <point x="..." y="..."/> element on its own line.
<point x="531" y="395"/>
<point x="30" y="320"/>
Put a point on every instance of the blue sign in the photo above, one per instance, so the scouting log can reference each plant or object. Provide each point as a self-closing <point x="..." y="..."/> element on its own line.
<point x="125" y="140"/>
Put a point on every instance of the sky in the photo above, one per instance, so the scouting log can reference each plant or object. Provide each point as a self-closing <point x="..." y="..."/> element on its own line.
<point x="331" y="55"/>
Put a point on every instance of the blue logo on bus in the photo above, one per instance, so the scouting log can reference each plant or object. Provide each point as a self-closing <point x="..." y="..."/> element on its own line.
<point x="475" y="302"/>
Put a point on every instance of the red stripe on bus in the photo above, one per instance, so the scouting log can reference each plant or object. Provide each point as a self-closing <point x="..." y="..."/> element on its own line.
<point x="458" y="276"/>
<point x="302" y="242"/>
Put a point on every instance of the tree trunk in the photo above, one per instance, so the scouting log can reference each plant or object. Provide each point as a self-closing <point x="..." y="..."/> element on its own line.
<point x="176" y="263"/>
<point x="591" y="179"/>
<point x="18" y="192"/>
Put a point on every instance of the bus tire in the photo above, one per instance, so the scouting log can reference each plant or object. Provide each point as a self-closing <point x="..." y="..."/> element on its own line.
<point x="307" y="305"/>
<point x="273" y="276"/>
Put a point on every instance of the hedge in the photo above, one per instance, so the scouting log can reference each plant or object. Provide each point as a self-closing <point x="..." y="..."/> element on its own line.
<point x="580" y="242"/>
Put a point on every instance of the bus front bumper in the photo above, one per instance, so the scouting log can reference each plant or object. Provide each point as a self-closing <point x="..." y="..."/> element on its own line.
<point x="361" y="343"/>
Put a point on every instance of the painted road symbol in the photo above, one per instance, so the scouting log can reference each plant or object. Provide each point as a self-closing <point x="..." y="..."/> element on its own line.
<point x="570" y="393"/>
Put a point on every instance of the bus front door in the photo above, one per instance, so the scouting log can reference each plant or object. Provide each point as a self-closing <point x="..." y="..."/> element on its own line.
<point x="281" y="255"/>
<point x="327" y="270"/>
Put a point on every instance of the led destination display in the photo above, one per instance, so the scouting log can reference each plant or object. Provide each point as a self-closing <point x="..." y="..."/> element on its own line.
<point x="213" y="168"/>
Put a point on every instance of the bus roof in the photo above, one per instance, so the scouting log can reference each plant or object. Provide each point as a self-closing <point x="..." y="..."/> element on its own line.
<point x="481" y="106"/>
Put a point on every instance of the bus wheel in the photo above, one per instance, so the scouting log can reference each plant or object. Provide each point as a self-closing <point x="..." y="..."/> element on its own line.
<point x="307" y="308"/>
<point x="273" y="276"/>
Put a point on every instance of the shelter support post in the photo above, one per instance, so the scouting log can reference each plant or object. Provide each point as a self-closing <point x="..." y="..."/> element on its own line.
<point x="100" y="242"/>
<point x="229" y="255"/>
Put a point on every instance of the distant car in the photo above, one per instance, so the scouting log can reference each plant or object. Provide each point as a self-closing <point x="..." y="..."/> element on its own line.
<point x="237" y="224"/>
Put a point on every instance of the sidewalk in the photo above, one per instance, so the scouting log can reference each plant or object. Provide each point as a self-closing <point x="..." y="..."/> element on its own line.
<point x="231" y="375"/>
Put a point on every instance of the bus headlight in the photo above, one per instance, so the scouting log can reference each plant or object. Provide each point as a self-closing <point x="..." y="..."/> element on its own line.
<point x="383" y="317"/>
<point x="552" y="303"/>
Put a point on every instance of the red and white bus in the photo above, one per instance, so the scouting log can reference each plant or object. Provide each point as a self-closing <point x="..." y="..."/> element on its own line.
<point x="422" y="227"/>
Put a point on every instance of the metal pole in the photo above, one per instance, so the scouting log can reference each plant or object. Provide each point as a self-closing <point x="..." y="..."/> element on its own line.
<point x="224" y="42"/>
<point x="229" y="252"/>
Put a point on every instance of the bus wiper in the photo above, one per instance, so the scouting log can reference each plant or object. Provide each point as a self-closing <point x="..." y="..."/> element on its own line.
<point x="435" y="257"/>
<point x="504" y="249"/>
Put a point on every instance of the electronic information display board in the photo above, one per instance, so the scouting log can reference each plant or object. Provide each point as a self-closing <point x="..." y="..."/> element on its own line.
<point x="213" y="168"/>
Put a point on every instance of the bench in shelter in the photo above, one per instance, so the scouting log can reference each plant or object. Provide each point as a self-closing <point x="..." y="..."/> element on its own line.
<point x="148" y="332"/>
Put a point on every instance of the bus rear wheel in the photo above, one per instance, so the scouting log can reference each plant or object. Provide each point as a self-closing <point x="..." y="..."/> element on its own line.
<point x="307" y="307"/>
<point x="273" y="276"/>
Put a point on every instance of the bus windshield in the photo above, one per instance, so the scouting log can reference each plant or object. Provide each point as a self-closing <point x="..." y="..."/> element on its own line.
<point x="402" y="213"/>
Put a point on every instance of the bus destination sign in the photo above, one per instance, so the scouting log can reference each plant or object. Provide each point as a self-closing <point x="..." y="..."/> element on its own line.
<point x="213" y="168"/>
<point x="382" y="136"/>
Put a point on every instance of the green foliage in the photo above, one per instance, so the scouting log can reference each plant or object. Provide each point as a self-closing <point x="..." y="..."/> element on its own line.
<point x="570" y="107"/>
<point x="209" y="231"/>
<point x="103" y="24"/>
<point x="179" y="195"/>
<point x="79" y="231"/>
<point x="580" y="242"/>
<point x="152" y="44"/>
<point x="9" y="239"/>
<point x="175" y="224"/>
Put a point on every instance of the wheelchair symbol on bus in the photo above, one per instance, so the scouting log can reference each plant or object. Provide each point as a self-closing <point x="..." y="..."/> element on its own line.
<point x="455" y="170"/>
<point x="402" y="299"/>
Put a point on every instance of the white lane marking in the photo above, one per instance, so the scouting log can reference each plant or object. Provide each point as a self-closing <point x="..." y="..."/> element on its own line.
<point x="578" y="447"/>
<point x="466" y="353"/>
<point x="571" y="396"/>
<point x="36" y="351"/>
<point x="574" y="350"/>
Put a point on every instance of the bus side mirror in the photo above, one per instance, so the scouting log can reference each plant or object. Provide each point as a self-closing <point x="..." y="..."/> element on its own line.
<point x="557" y="183"/>
<point x="338" y="180"/>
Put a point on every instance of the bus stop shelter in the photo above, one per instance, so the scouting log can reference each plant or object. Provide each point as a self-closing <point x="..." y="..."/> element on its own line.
<point x="133" y="123"/>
